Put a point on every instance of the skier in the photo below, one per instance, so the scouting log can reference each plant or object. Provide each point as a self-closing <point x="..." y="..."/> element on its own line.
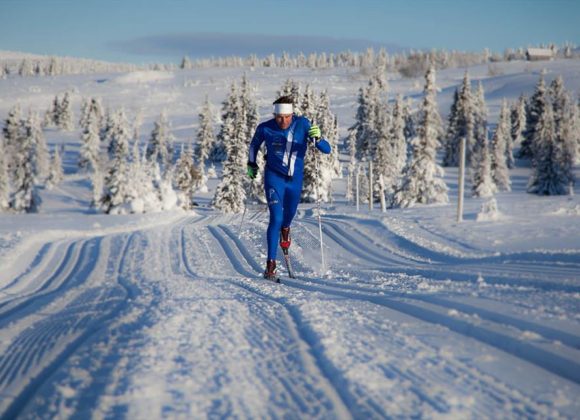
<point x="287" y="137"/>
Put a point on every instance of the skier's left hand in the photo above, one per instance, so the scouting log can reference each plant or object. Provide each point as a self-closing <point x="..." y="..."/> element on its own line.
<point x="314" y="132"/>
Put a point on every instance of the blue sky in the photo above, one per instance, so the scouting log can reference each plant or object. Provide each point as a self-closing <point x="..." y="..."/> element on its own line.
<point x="162" y="31"/>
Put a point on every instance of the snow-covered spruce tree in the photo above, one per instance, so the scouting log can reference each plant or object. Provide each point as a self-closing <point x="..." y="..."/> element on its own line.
<point x="366" y="118"/>
<point x="254" y="187"/>
<point x="12" y="133"/>
<point x="91" y="141"/>
<point x="51" y="115"/>
<point x="218" y="153"/>
<point x="116" y="180"/>
<point x="451" y="148"/>
<point x="41" y="162"/>
<point x="205" y="134"/>
<point x="391" y="164"/>
<point x="546" y="174"/>
<point x="230" y="193"/>
<point x="536" y="107"/>
<point x="25" y="196"/>
<point x="501" y="138"/>
<point x="328" y="124"/>
<point x="4" y="180"/>
<point x="482" y="184"/>
<point x="422" y="182"/>
<point x="293" y="89"/>
<point x="160" y="147"/>
<point x="118" y="133"/>
<point x="187" y="177"/>
<point x="518" y="125"/>
<point x="566" y="130"/>
<point x="480" y="114"/>
<point x="463" y="126"/>
<point x="65" y="119"/>
<point x="56" y="173"/>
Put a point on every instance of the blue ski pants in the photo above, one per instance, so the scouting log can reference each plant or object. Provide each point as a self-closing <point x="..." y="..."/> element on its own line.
<point x="283" y="195"/>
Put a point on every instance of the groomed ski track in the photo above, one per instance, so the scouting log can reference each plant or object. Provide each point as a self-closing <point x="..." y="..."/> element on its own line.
<point x="175" y="321"/>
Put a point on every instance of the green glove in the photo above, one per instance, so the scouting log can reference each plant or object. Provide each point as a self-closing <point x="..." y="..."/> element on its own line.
<point x="252" y="170"/>
<point x="314" y="132"/>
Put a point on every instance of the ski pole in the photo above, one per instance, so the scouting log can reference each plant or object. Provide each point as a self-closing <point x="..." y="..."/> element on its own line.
<point x="318" y="199"/>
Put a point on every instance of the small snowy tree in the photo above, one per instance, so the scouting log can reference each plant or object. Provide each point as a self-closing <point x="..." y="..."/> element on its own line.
<point x="13" y="133"/>
<point x="518" y="123"/>
<point x="205" y="134"/>
<point x="91" y="142"/>
<point x="501" y="138"/>
<point x="56" y="173"/>
<point x="65" y="114"/>
<point x="423" y="181"/>
<point x="188" y="178"/>
<point x="25" y="196"/>
<point x="462" y="125"/>
<point x="482" y="184"/>
<point x="160" y="147"/>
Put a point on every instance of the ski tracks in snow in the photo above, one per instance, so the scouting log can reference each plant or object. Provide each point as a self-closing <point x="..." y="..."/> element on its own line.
<point x="176" y="322"/>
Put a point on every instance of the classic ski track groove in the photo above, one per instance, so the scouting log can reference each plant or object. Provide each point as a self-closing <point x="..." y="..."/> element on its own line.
<point x="84" y="328"/>
<point x="292" y="318"/>
<point x="327" y="290"/>
<point x="568" y="368"/>
<point x="460" y="272"/>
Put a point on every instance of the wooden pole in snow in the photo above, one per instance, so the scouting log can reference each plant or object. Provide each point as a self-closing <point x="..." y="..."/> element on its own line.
<point x="370" y="185"/>
<point x="461" y="180"/>
<point x="357" y="188"/>
<point x="382" y="193"/>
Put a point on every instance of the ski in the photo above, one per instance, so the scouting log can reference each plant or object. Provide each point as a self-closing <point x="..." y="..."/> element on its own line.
<point x="288" y="263"/>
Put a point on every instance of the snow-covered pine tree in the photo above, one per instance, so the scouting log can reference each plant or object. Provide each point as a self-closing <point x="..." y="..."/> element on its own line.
<point x="230" y="194"/>
<point x="464" y="126"/>
<point x="25" y="196"/>
<point x="396" y="152"/>
<point x="4" y="180"/>
<point x="188" y="178"/>
<point x="65" y="119"/>
<point x="480" y="114"/>
<point x="518" y="121"/>
<point x="41" y="162"/>
<point x="293" y="89"/>
<point x="482" y="184"/>
<point x="51" y="115"/>
<point x="327" y="122"/>
<point x="118" y="134"/>
<point x="546" y="175"/>
<point x="205" y="134"/>
<point x="451" y="148"/>
<point x="160" y="147"/>
<point x="116" y="180"/>
<point x="90" y="152"/>
<point x="535" y="108"/>
<point x="56" y="173"/>
<point x="422" y="182"/>
<point x="12" y="133"/>
<point x="218" y="153"/>
<point x="501" y="138"/>
<point x="254" y="187"/>
<point x="566" y="130"/>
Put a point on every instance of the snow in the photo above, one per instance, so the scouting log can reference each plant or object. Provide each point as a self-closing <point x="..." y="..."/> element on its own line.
<point x="165" y="315"/>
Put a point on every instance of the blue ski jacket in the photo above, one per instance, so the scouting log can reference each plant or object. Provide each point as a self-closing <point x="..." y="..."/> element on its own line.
<point x="285" y="149"/>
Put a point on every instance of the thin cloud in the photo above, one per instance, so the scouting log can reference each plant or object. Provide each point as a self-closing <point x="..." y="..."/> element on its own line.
<point x="207" y="44"/>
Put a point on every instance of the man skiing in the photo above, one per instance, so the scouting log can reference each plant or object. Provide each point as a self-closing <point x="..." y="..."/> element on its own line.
<point x="287" y="137"/>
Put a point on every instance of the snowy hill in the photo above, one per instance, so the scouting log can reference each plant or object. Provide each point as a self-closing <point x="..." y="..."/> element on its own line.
<point x="166" y="315"/>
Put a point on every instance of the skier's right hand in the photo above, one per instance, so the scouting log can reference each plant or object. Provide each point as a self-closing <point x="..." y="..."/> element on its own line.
<point x="252" y="170"/>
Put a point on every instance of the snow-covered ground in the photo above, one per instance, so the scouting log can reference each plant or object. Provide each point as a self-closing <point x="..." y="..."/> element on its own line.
<point x="165" y="314"/>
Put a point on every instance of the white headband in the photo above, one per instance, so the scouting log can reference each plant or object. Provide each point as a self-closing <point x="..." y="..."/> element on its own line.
<point x="283" y="109"/>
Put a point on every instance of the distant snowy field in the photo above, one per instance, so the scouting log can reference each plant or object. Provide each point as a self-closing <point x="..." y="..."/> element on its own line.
<point x="165" y="314"/>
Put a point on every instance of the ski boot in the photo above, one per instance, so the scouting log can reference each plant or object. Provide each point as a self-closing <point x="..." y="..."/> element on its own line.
<point x="285" y="238"/>
<point x="270" y="273"/>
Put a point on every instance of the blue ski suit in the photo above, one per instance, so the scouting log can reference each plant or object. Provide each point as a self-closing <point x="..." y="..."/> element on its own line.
<point x="283" y="175"/>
